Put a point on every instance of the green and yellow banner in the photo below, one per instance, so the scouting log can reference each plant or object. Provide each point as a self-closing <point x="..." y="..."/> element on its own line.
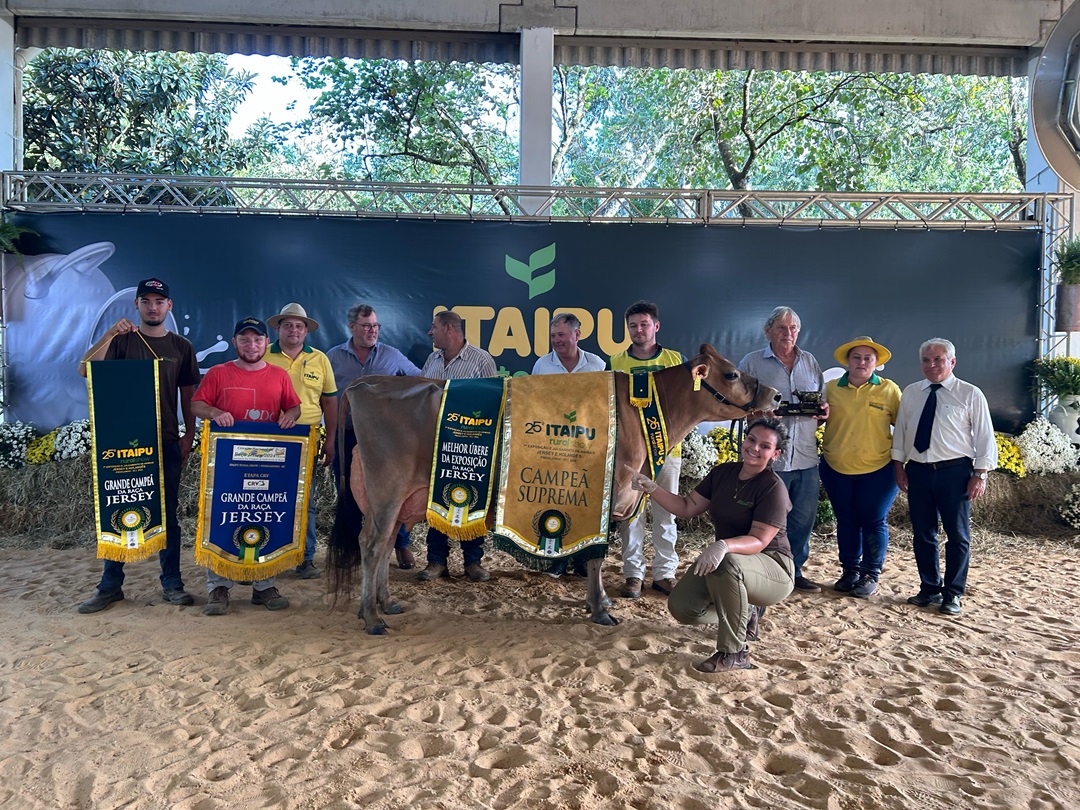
<point x="254" y="490"/>
<point x="557" y="467"/>
<point x="129" y="477"/>
<point x="463" y="469"/>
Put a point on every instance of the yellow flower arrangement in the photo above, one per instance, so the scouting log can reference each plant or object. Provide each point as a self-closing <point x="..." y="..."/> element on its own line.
<point x="1009" y="458"/>
<point x="723" y="440"/>
<point x="42" y="448"/>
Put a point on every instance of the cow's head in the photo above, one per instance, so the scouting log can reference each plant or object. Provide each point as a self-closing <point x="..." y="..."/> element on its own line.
<point x="734" y="393"/>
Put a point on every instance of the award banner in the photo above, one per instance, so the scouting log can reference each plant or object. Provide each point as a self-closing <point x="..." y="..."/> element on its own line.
<point x="463" y="469"/>
<point x="254" y="489"/>
<point x="557" y="468"/>
<point x="125" y="441"/>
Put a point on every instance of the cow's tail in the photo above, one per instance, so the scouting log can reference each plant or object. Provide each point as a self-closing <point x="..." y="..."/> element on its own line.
<point x="343" y="553"/>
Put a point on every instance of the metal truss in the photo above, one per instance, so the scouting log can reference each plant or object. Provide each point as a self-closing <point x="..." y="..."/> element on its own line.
<point x="38" y="191"/>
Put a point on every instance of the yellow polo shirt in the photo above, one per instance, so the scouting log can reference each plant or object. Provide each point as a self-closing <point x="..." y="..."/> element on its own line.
<point x="311" y="376"/>
<point x="858" y="435"/>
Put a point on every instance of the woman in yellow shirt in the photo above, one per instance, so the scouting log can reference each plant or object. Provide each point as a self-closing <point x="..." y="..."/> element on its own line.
<point x="856" y="464"/>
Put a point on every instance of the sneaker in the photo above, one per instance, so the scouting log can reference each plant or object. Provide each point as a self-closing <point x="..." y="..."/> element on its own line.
<point x="433" y="571"/>
<point x="806" y="585"/>
<point x="725" y="662"/>
<point x="631" y="589"/>
<point x="580" y="568"/>
<point x="406" y="561"/>
<point x="177" y="596"/>
<point x="752" y="632"/>
<point x="477" y="573"/>
<point x="308" y="570"/>
<point x="950" y="605"/>
<point x="269" y="597"/>
<point x="924" y="599"/>
<point x="557" y="569"/>
<point x="866" y="587"/>
<point x="663" y="585"/>
<point x="101" y="600"/>
<point x="218" y="602"/>
<point x="847" y="581"/>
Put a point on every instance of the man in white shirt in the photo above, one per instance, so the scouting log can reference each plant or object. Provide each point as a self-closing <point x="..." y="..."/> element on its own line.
<point x="565" y="356"/>
<point x="943" y="450"/>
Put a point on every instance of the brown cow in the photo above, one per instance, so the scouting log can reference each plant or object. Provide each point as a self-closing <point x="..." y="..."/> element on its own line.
<point x="395" y="420"/>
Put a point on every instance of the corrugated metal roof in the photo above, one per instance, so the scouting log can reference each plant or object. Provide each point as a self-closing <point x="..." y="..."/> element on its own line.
<point x="56" y="32"/>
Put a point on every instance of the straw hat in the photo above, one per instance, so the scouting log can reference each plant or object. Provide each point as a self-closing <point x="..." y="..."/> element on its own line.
<point x="841" y="354"/>
<point x="292" y="311"/>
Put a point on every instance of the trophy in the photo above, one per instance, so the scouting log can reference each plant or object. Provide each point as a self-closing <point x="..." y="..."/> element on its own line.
<point x="804" y="403"/>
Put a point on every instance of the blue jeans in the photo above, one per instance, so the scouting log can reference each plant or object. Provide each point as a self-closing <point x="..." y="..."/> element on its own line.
<point x="112" y="575"/>
<point x="861" y="504"/>
<point x="933" y="494"/>
<point x="309" y="542"/>
<point x="350" y="520"/>
<point x="804" y="491"/>
<point x="438" y="548"/>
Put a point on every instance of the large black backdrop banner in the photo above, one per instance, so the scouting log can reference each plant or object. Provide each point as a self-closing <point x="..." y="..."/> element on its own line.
<point x="713" y="284"/>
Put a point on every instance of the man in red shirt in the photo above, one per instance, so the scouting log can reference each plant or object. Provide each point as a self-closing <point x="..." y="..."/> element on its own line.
<point x="247" y="389"/>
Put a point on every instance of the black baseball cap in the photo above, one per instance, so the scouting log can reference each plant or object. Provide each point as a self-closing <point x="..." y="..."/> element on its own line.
<point x="149" y="286"/>
<point x="250" y="323"/>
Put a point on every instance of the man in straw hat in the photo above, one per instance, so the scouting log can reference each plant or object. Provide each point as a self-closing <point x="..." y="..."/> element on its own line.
<point x="147" y="341"/>
<point x="856" y="462"/>
<point x="313" y="378"/>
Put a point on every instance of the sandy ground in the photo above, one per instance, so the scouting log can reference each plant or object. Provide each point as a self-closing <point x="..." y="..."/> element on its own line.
<point x="503" y="695"/>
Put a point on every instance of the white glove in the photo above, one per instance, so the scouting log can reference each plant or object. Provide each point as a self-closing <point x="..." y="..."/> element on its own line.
<point x="709" y="560"/>
<point x="639" y="482"/>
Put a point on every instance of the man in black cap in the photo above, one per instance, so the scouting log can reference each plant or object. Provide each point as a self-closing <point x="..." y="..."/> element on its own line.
<point x="247" y="389"/>
<point x="178" y="373"/>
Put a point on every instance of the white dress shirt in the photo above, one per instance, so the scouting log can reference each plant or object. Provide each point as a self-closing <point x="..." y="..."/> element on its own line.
<point x="962" y="425"/>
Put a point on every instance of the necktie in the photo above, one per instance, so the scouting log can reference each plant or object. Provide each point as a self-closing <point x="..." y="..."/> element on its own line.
<point x="926" y="420"/>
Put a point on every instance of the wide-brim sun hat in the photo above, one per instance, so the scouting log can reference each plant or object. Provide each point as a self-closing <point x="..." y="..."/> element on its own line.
<point x="883" y="354"/>
<point x="292" y="311"/>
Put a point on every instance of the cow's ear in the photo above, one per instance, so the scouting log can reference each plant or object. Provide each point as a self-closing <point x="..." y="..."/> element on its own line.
<point x="701" y="371"/>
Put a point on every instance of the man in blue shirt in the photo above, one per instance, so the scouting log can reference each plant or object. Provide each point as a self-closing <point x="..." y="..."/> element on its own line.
<point x="362" y="355"/>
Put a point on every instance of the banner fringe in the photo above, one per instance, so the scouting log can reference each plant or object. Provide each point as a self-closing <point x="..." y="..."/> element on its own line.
<point x="122" y="554"/>
<point x="249" y="573"/>
<point x="459" y="533"/>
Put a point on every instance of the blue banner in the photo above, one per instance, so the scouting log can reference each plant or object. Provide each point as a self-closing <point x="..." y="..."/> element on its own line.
<point x="255" y="485"/>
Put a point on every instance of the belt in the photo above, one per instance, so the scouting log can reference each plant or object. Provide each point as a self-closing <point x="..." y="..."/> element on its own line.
<point x="940" y="465"/>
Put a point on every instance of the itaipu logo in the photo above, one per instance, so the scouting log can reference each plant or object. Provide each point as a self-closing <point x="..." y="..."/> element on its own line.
<point x="557" y="431"/>
<point x="133" y="451"/>
<point x="527" y="272"/>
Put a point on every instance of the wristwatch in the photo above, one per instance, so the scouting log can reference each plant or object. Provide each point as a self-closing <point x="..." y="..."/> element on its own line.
<point x="982" y="476"/>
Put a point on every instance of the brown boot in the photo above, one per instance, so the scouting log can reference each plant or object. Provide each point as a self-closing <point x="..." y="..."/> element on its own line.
<point x="432" y="572"/>
<point x="665" y="586"/>
<point x="725" y="662"/>
<point x="631" y="589"/>
<point x="477" y="573"/>
<point x="405" y="559"/>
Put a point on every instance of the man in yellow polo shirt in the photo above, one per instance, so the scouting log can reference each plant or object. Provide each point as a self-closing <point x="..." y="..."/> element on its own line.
<point x="313" y="379"/>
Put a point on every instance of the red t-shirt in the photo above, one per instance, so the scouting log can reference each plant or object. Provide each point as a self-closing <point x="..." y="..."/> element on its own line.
<point x="250" y="396"/>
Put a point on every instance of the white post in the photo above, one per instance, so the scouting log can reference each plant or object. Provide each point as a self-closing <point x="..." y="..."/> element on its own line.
<point x="537" y="66"/>
<point x="10" y="79"/>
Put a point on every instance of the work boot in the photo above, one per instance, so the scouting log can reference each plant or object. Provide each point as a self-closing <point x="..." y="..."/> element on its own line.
<point x="406" y="561"/>
<point x="177" y="596"/>
<point x="269" y="597"/>
<point x="477" y="573"/>
<point x="218" y="603"/>
<point x="725" y="662"/>
<point x="631" y="589"/>
<point x="433" y="571"/>
<point x="665" y="585"/>
<point x="100" y="601"/>
<point x="308" y="570"/>
<point x="847" y="581"/>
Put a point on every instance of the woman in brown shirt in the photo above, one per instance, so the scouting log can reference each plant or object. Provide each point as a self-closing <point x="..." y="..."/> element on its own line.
<point x="750" y="564"/>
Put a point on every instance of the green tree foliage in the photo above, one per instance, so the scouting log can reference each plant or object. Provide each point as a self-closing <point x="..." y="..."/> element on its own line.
<point x="401" y="121"/>
<point x="152" y="113"/>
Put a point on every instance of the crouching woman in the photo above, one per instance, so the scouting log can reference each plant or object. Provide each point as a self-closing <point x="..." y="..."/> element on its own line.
<point x="749" y="566"/>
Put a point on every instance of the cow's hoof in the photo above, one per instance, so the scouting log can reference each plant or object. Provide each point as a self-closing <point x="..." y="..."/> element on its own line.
<point x="378" y="630"/>
<point x="605" y="618"/>
<point x="393" y="609"/>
